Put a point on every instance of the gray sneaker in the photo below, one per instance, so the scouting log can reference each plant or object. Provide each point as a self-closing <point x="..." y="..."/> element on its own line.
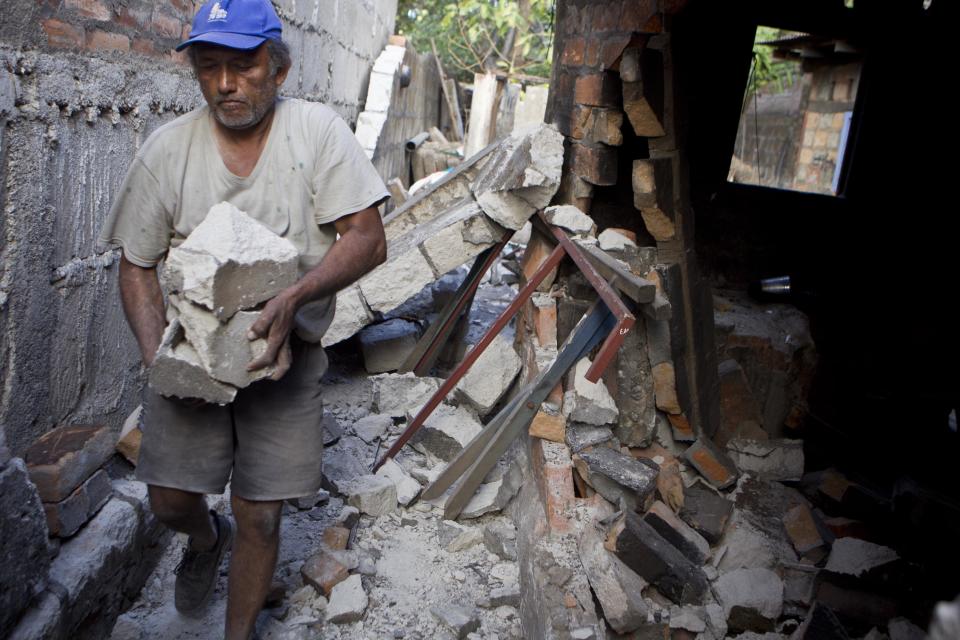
<point x="198" y="570"/>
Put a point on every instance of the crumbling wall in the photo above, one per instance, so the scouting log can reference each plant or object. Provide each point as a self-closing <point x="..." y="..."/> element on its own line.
<point x="82" y="84"/>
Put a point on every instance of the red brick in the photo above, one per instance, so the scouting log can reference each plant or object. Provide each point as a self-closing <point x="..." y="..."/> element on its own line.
<point x="802" y="529"/>
<point x="166" y="25"/>
<point x="106" y="41"/>
<point x="133" y="17"/>
<point x="597" y="124"/>
<point x="545" y="324"/>
<point x="555" y="481"/>
<point x="597" y="164"/>
<point x="144" y="46"/>
<point x="597" y="89"/>
<point x="62" y="35"/>
<point x="711" y="463"/>
<point x="336" y="538"/>
<point x="573" y="52"/>
<point x="537" y="251"/>
<point x="89" y="9"/>
<point x="549" y="427"/>
<point x="612" y="50"/>
<point x="64" y="458"/>
<point x="183" y="6"/>
<point x="592" y="56"/>
<point x="323" y="572"/>
<point x="605" y="17"/>
<point x="641" y="15"/>
<point x="679" y="425"/>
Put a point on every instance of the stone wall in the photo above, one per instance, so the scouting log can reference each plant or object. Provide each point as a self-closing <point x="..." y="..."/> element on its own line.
<point x="82" y="84"/>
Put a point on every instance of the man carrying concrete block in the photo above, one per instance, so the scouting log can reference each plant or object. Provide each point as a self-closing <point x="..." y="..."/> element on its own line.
<point x="296" y="168"/>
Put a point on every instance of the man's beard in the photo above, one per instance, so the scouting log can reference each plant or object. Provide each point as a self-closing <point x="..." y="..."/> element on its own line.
<point x="246" y="118"/>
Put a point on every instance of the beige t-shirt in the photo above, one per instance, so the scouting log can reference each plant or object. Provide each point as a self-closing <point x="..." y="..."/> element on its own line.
<point x="311" y="172"/>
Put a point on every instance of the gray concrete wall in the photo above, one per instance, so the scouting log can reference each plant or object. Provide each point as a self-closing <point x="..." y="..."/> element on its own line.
<point x="82" y="84"/>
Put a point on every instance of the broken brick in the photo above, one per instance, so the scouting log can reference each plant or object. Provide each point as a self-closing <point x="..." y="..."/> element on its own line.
<point x="680" y="426"/>
<point x="802" y="529"/>
<point x="323" y="572"/>
<point x="597" y="164"/>
<point x="65" y="518"/>
<point x="711" y="463"/>
<point x="597" y="90"/>
<point x="665" y="388"/>
<point x="336" y="538"/>
<point x="706" y="512"/>
<point x="548" y="427"/>
<point x="62" y="459"/>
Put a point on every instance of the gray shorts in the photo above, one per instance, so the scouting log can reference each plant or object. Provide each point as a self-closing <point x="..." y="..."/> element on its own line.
<point x="270" y="437"/>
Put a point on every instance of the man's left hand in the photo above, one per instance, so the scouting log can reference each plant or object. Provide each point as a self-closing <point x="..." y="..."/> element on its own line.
<point x="274" y="324"/>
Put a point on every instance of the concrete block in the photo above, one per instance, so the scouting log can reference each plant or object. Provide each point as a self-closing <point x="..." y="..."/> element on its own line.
<point x="521" y="176"/>
<point x="768" y="459"/>
<point x="177" y="371"/>
<point x="581" y="436"/>
<point x="636" y="403"/>
<point x="678" y="533"/>
<point x="385" y="346"/>
<point x="625" y="470"/>
<point x="706" y="512"/>
<point x="351" y="315"/>
<point x="223" y="347"/>
<point x="446" y="432"/>
<point x="396" y="394"/>
<point x="373" y="495"/>
<point x="490" y="376"/>
<point x="588" y="402"/>
<point x="617" y="587"/>
<point x="65" y="518"/>
<point x="372" y="427"/>
<point x="348" y="601"/>
<point x="455" y="537"/>
<point x="711" y="463"/>
<point x="752" y="599"/>
<point x="407" y="488"/>
<point x="24" y="550"/>
<point x="62" y="459"/>
<point x="500" y="538"/>
<point x="461" y="621"/>
<point x="615" y="240"/>
<point x="230" y="262"/>
<point x="569" y="217"/>
<point x="323" y="572"/>
<point x="397" y="280"/>
<point x="657" y="561"/>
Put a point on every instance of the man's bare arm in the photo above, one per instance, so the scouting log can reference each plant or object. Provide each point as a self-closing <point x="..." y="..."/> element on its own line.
<point x="361" y="246"/>
<point x="143" y="306"/>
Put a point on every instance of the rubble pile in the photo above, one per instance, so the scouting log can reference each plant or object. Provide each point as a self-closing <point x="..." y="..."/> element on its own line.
<point x="228" y="266"/>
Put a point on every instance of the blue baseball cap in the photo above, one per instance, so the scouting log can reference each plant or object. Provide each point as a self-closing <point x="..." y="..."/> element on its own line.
<point x="237" y="24"/>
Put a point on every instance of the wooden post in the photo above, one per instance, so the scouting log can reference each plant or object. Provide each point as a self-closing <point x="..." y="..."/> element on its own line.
<point x="483" y="112"/>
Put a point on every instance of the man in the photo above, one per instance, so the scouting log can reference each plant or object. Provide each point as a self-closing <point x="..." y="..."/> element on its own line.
<point x="296" y="168"/>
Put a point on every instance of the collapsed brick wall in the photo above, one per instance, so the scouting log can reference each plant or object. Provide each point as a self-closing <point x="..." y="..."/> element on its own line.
<point x="82" y="84"/>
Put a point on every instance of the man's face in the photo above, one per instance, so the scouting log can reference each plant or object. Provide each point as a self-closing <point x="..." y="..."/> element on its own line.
<point x="238" y="85"/>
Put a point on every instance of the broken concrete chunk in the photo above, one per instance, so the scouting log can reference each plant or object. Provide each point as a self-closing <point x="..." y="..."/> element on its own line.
<point x="494" y="496"/>
<point x="63" y="458"/>
<point x="500" y="538"/>
<point x="396" y="394"/>
<point x="456" y="537"/>
<point x="177" y="371"/>
<point x="350" y="316"/>
<point x="490" y="376"/>
<point x="391" y="284"/>
<point x="372" y="427"/>
<point x="617" y="587"/>
<point x="569" y="217"/>
<point x="588" y="402"/>
<point x="706" y="512"/>
<point x="693" y="619"/>
<point x="612" y="240"/>
<point x="462" y="621"/>
<point x="407" y="487"/>
<point x="348" y="601"/>
<point x="768" y="459"/>
<point x="711" y="463"/>
<point x="446" y="432"/>
<point x="385" y="346"/>
<point x="678" y="533"/>
<point x="520" y="176"/>
<point x="657" y="561"/>
<point x="230" y="262"/>
<point x="373" y="495"/>
<point x="751" y="598"/>
<point x="223" y="347"/>
<point x="854" y="557"/>
<point x="469" y="231"/>
<point x="622" y="469"/>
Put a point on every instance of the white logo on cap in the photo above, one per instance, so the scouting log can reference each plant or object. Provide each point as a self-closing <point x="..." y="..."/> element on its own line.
<point x="216" y="13"/>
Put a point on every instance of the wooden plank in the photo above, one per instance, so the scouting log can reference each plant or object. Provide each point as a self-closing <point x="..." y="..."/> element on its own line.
<point x="437" y="136"/>
<point x="397" y="190"/>
<point x="449" y="88"/>
<point x="638" y="289"/>
<point x="483" y="112"/>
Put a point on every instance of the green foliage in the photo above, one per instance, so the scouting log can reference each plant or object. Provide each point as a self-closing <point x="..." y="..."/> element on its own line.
<point x="473" y="36"/>
<point x="768" y="74"/>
